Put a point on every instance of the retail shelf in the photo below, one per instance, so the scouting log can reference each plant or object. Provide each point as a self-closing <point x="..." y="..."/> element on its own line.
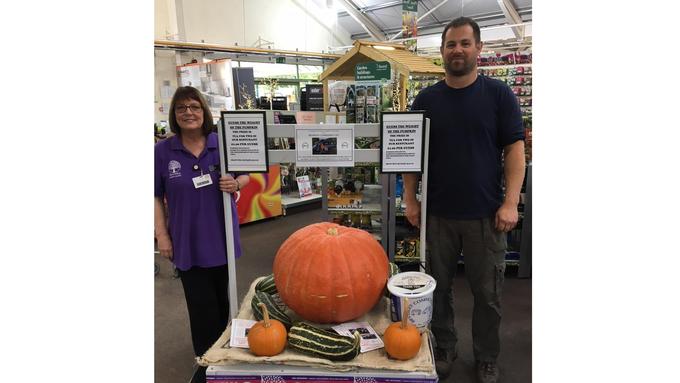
<point x="406" y="259"/>
<point x="291" y="200"/>
<point x="367" y="208"/>
<point x="508" y="75"/>
<point x="502" y="66"/>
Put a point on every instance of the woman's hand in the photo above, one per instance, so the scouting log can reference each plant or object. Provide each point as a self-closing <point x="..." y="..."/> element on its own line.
<point x="165" y="247"/>
<point x="228" y="184"/>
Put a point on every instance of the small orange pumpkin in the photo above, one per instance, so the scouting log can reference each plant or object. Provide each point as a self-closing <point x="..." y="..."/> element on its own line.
<point x="268" y="336"/>
<point x="402" y="339"/>
<point x="327" y="273"/>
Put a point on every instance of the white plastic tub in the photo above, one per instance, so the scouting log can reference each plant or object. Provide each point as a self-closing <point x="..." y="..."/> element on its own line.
<point x="418" y="288"/>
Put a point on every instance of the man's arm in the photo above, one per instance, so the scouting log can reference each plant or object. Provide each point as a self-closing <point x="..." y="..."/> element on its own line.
<point x="412" y="204"/>
<point x="507" y="216"/>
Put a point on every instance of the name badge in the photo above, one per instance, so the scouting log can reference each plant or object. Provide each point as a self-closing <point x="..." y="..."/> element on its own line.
<point x="202" y="181"/>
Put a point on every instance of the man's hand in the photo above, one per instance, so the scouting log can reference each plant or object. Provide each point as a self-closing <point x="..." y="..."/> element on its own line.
<point x="413" y="213"/>
<point x="506" y="217"/>
<point x="165" y="247"/>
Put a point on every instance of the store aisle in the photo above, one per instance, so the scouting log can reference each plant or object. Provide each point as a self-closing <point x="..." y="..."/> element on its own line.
<point x="260" y="240"/>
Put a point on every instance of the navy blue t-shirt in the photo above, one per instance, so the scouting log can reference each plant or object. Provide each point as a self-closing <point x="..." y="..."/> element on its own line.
<point x="469" y="128"/>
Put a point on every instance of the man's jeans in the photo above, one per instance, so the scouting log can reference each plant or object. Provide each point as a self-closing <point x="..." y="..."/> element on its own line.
<point x="484" y="253"/>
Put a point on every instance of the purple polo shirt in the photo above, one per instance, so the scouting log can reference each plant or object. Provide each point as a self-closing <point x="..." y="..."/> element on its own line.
<point x="195" y="216"/>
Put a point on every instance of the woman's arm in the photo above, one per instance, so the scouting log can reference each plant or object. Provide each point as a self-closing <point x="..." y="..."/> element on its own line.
<point x="161" y="228"/>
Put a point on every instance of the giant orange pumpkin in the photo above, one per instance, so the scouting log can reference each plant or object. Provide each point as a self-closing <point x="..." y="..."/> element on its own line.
<point x="328" y="273"/>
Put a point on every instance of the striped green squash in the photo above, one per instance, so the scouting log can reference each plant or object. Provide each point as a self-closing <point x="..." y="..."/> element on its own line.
<point x="274" y="311"/>
<point x="266" y="285"/>
<point x="393" y="269"/>
<point x="323" y="343"/>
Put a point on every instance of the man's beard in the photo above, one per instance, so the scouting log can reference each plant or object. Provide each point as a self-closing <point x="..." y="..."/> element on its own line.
<point x="467" y="67"/>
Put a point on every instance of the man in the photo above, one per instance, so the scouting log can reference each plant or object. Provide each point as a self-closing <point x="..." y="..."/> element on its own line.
<point x="476" y="135"/>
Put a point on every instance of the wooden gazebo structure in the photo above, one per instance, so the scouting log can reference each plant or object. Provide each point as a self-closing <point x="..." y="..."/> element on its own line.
<point x="402" y="61"/>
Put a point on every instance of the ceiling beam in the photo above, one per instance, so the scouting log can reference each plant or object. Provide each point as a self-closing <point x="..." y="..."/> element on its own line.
<point x="513" y="17"/>
<point x="203" y="47"/>
<point x="428" y="9"/>
<point x="369" y="26"/>
<point x="371" y="8"/>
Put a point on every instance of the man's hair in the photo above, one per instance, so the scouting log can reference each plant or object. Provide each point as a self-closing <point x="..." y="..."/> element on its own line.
<point x="185" y="93"/>
<point x="459" y="22"/>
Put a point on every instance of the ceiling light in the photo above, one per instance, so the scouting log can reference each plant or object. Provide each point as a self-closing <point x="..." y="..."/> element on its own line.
<point x="383" y="47"/>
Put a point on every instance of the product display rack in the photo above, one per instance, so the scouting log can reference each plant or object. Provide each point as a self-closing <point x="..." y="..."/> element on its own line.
<point x="354" y="196"/>
<point x="364" y="157"/>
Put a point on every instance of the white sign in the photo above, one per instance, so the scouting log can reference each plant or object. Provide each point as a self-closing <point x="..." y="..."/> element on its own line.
<point x="369" y="338"/>
<point x="329" y="145"/>
<point x="239" y="332"/>
<point x="245" y="139"/>
<point x="401" y="142"/>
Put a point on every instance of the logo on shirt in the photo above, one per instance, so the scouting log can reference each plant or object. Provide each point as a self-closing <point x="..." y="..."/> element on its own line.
<point x="174" y="168"/>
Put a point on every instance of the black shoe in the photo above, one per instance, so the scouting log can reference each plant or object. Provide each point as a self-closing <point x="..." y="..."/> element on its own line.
<point x="443" y="359"/>
<point x="487" y="372"/>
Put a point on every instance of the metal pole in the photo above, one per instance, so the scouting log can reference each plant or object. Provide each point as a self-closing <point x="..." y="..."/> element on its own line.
<point x="228" y="229"/>
<point x="423" y="197"/>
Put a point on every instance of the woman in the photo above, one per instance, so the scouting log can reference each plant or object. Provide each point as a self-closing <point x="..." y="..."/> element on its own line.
<point x="187" y="176"/>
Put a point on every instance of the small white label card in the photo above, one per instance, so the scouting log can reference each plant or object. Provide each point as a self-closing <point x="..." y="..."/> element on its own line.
<point x="239" y="332"/>
<point x="369" y="338"/>
<point x="325" y="145"/>
<point x="201" y="181"/>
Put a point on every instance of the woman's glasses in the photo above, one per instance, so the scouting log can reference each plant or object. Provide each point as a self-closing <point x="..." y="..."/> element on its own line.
<point x="183" y="108"/>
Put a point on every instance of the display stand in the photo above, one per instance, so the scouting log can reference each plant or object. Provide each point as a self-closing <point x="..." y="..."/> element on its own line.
<point x="262" y="372"/>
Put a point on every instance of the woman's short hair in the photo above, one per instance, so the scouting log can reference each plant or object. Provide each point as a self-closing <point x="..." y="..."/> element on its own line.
<point x="190" y="93"/>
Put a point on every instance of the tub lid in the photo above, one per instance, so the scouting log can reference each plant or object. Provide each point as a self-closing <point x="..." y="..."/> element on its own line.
<point x="411" y="284"/>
